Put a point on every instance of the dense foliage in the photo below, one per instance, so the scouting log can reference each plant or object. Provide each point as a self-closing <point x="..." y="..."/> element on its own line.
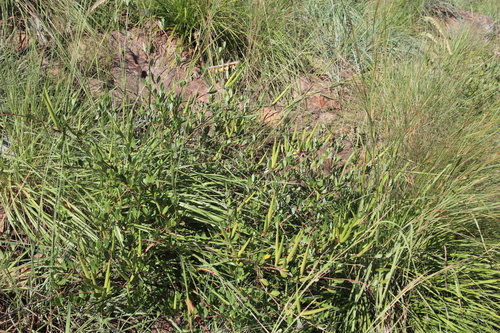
<point x="164" y="214"/>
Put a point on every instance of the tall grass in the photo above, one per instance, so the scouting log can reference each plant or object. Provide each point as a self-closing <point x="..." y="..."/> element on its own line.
<point x="178" y="216"/>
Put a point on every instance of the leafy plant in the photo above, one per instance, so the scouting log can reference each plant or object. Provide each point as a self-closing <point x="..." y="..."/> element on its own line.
<point x="170" y="214"/>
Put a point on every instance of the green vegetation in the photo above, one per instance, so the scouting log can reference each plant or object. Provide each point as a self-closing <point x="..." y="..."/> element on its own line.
<point x="163" y="214"/>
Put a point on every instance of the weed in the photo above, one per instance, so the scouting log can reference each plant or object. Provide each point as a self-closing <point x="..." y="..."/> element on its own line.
<point x="170" y="214"/>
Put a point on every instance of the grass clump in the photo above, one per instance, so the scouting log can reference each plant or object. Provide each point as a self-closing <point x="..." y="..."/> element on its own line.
<point x="170" y="214"/>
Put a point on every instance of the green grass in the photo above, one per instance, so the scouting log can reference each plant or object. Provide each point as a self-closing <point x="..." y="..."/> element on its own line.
<point x="171" y="214"/>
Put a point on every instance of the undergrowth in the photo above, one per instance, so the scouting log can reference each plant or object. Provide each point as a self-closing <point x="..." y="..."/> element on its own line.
<point x="165" y="214"/>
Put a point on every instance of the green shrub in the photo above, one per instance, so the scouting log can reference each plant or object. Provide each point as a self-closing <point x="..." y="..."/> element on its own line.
<point x="171" y="214"/>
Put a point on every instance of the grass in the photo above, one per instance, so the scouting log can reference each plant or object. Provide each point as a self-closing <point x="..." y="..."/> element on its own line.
<point x="175" y="215"/>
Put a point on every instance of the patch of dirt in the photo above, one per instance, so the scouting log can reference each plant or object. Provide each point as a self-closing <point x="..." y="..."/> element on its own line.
<point x="315" y="102"/>
<point x="457" y="19"/>
<point x="451" y="21"/>
<point x="481" y="22"/>
<point x="143" y="61"/>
